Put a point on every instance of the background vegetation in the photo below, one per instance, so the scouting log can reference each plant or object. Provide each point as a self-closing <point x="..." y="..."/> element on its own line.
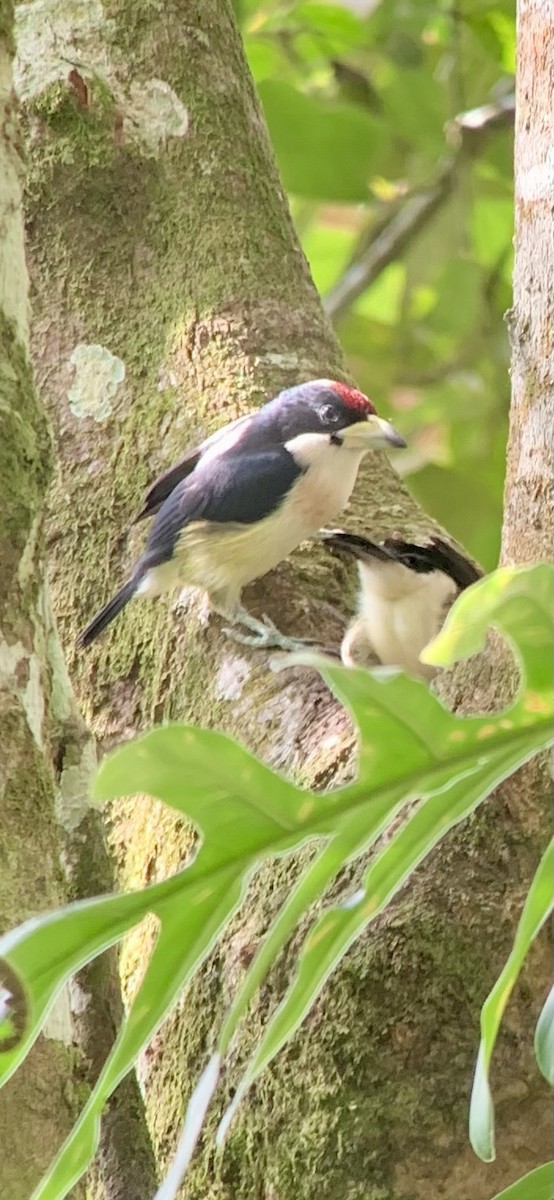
<point x="160" y="247"/>
<point x="358" y="109"/>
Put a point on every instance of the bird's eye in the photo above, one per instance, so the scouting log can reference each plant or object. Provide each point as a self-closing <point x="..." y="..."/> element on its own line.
<point x="328" y="414"/>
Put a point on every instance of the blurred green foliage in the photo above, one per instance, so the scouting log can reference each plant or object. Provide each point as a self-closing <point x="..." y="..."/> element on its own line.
<point x="358" y="97"/>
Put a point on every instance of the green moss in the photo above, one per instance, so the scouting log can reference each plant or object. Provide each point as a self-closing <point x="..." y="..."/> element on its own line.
<point x="33" y="1132"/>
<point x="7" y="25"/>
<point x="25" y="455"/>
<point x="78" y="129"/>
<point x="31" y="875"/>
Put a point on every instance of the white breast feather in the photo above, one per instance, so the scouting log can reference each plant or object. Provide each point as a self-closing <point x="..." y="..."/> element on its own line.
<point x="400" y="611"/>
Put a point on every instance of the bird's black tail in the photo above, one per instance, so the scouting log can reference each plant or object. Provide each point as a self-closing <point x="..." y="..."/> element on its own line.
<point x="337" y="540"/>
<point x="435" y="555"/>
<point x="108" y="612"/>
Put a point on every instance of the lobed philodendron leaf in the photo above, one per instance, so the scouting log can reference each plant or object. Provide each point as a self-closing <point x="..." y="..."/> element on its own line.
<point x="413" y="754"/>
<point x="536" y="1185"/>
<point x="517" y="600"/>
<point x="537" y="909"/>
<point x="391" y="710"/>
<point x="544" y="1039"/>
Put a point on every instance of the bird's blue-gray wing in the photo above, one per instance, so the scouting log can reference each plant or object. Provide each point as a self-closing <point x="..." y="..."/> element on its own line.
<point x="236" y="488"/>
<point x="165" y="484"/>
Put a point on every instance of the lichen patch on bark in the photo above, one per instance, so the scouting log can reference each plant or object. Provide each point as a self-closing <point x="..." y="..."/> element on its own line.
<point x="13" y="274"/>
<point x="98" y="375"/>
<point x="153" y="114"/>
<point x="71" y="42"/>
<point x="53" y="34"/>
<point x="73" y="799"/>
<point x="59" y="1024"/>
<point x="20" y="673"/>
<point x="231" y="677"/>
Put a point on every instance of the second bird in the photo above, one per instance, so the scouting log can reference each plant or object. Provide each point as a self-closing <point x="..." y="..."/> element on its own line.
<point x="406" y="590"/>
<point x="232" y="509"/>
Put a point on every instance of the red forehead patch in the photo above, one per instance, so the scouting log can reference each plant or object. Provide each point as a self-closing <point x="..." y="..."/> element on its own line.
<point x="353" y="398"/>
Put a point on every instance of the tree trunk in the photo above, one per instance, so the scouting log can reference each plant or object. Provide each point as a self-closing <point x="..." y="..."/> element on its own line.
<point x="37" y="1108"/>
<point x="527" y="532"/>
<point x="47" y="758"/>
<point x="170" y="295"/>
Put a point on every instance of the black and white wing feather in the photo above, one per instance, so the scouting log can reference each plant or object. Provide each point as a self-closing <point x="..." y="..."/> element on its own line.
<point x="234" y="491"/>
<point x="406" y="590"/>
<point x="213" y="446"/>
<point x="436" y="555"/>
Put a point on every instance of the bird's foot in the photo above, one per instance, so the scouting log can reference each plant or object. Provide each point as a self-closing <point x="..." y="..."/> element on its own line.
<point x="264" y="635"/>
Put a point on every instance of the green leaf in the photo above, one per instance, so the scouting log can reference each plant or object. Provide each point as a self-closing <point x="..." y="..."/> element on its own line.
<point x="338" y="29"/>
<point x="194" y="771"/>
<point x="384" y="298"/>
<point x="335" y="932"/>
<point x="342" y="29"/>
<point x="469" y="512"/>
<point x="356" y="835"/>
<point x="496" y="31"/>
<point x="188" y="931"/>
<point x="505" y="28"/>
<point x="517" y="600"/>
<point x="327" y="248"/>
<point x="537" y="1185"/>
<point x="324" y="150"/>
<point x="191" y="906"/>
<point x="459" y="290"/>
<point x="441" y="767"/>
<point x="265" y="58"/>
<point x="537" y="908"/>
<point x="492" y="226"/>
<point x="376" y="701"/>
<point x="415" y="105"/>
<point x="39" y="956"/>
<point x="544" y="1039"/>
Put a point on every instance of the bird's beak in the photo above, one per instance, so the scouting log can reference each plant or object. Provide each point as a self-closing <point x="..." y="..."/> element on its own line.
<point x="371" y="434"/>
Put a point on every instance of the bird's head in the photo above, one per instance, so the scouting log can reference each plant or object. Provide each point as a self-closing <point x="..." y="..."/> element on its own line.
<point x="339" y="413"/>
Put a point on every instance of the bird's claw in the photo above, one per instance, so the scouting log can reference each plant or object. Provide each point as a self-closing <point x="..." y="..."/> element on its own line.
<point x="267" y="636"/>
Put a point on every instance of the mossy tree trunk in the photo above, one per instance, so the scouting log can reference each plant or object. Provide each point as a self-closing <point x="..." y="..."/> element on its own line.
<point x="37" y="1107"/>
<point x="170" y="295"/>
<point x="52" y="846"/>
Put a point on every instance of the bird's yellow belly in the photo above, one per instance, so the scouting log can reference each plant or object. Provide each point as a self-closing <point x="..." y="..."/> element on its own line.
<point x="223" y="558"/>
<point x="227" y="557"/>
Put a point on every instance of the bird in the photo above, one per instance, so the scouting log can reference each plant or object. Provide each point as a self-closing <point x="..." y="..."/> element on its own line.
<point x="405" y="592"/>
<point x="234" y="507"/>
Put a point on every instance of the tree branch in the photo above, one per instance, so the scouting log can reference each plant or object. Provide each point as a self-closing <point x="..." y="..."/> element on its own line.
<point x="466" y="137"/>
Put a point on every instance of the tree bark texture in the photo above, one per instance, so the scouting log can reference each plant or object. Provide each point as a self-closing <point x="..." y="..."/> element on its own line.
<point x="37" y="1108"/>
<point x="527" y="533"/>
<point x="47" y="758"/>
<point x="170" y="294"/>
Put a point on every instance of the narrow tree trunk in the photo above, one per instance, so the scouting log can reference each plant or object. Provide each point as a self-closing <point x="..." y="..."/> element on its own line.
<point x="527" y="532"/>
<point x="171" y="294"/>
